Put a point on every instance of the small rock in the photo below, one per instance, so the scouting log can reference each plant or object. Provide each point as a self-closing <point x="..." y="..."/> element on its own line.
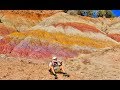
<point x="3" y="55"/>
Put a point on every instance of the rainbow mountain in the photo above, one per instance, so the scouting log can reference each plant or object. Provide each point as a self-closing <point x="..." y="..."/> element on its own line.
<point x="58" y="34"/>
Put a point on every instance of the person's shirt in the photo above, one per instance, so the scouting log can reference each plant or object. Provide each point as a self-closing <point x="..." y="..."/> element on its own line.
<point x="55" y="63"/>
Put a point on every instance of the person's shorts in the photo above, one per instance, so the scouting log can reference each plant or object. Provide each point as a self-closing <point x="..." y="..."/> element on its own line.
<point x="57" y="69"/>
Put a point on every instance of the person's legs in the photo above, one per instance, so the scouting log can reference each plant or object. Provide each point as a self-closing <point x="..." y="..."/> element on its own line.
<point x="63" y="71"/>
<point x="51" y="70"/>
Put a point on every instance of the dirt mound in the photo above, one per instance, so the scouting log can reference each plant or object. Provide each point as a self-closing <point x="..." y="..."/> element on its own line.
<point x="61" y="34"/>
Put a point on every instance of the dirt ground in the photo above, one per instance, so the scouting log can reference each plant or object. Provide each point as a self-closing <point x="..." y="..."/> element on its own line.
<point x="97" y="66"/>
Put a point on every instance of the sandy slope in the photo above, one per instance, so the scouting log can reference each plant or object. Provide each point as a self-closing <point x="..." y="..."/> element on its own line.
<point x="98" y="65"/>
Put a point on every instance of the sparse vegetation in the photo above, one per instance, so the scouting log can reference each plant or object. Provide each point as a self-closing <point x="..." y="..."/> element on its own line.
<point x="91" y="13"/>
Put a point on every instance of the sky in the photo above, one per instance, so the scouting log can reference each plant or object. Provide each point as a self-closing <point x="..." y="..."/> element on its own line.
<point x="116" y="12"/>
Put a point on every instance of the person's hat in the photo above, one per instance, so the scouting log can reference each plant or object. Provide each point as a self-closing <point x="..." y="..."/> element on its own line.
<point x="54" y="58"/>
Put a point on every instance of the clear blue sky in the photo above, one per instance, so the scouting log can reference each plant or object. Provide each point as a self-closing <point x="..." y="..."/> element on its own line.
<point x="116" y="12"/>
